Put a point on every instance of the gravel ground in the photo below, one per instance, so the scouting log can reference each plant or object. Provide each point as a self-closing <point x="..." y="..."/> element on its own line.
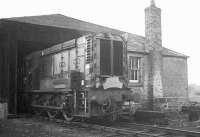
<point x="31" y="127"/>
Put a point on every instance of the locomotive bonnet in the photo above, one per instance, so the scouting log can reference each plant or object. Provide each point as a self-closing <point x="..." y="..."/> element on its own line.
<point x="86" y="77"/>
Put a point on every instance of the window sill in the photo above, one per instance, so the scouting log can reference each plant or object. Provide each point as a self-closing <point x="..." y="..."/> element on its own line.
<point x="135" y="84"/>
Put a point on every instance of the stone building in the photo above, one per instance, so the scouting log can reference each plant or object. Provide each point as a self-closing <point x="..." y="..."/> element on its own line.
<point x="154" y="71"/>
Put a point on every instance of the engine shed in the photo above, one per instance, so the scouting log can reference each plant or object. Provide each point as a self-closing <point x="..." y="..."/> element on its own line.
<point x="154" y="71"/>
<point x="21" y="36"/>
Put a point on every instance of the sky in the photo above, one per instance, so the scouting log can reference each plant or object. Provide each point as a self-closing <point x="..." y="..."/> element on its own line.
<point x="180" y="20"/>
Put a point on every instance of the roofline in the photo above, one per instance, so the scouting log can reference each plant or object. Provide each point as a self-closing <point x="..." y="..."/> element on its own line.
<point x="13" y="20"/>
<point x="164" y="55"/>
<point x="180" y="54"/>
<point x="185" y="57"/>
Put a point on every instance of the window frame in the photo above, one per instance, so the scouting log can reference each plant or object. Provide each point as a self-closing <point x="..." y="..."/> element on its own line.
<point x="133" y="69"/>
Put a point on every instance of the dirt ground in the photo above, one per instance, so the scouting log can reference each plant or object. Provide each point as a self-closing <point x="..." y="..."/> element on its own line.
<point x="31" y="127"/>
<point x="36" y="127"/>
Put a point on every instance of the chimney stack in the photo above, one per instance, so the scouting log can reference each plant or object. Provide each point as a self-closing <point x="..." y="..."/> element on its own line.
<point x="153" y="44"/>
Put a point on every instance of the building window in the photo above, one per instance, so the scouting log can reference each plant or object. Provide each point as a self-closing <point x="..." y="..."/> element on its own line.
<point x="134" y="69"/>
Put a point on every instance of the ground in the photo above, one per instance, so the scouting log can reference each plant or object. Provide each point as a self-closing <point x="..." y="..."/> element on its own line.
<point x="42" y="127"/>
<point x="32" y="127"/>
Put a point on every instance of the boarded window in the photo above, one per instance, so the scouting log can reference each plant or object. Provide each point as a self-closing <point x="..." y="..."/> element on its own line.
<point x="105" y="60"/>
<point x="134" y="68"/>
<point x="117" y="57"/>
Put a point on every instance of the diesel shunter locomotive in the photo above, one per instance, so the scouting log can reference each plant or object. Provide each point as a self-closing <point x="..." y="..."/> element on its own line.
<point x="83" y="77"/>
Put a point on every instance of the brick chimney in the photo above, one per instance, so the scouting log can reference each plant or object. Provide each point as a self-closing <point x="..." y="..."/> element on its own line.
<point x="153" y="44"/>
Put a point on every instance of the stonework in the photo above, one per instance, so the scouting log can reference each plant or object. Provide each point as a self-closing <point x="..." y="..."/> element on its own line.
<point x="153" y="38"/>
<point x="164" y="72"/>
<point x="153" y="42"/>
<point x="175" y="83"/>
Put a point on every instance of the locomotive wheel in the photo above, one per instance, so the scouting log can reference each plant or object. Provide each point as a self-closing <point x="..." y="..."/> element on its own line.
<point x="67" y="113"/>
<point x="67" y="116"/>
<point x="52" y="113"/>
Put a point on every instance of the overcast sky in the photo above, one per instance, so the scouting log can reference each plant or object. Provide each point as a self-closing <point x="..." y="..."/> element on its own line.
<point x="180" y="20"/>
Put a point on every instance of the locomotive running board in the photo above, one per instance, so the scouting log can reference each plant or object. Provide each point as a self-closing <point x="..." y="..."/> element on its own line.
<point x="47" y="107"/>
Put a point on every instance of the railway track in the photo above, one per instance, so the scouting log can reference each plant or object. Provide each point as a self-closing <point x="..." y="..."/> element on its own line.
<point x="124" y="129"/>
<point x="156" y="131"/>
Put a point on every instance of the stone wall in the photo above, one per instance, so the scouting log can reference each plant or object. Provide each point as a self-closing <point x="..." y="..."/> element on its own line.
<point x="174" y="78"/>
<point x="175" y="81"/>
<point x="140" y="89"/>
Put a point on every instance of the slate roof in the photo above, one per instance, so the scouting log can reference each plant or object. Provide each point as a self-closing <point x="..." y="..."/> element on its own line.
<point x="135" y="42"/>
<point x="168" y="52"/>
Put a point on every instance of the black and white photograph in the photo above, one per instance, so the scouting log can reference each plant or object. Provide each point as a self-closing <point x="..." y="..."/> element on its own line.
<point x="99" y="68"/>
